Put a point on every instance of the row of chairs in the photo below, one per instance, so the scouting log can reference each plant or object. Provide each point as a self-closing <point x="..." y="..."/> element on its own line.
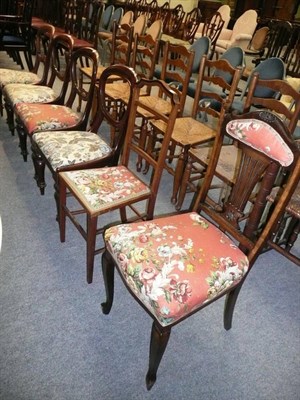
<point x="175" y="265"/>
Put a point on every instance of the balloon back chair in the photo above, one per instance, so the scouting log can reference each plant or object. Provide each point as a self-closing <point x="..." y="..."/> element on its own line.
<point x="73" y="150"/>
<point x="58" y="56"/>
<point x="187" y="261"/>
<point x="35" y="76"/>
<point x="62" y="114"/>
<point x="102" y="190"/>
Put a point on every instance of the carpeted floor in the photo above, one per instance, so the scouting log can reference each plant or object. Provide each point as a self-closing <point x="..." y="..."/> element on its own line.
<point x="56" y="344"/>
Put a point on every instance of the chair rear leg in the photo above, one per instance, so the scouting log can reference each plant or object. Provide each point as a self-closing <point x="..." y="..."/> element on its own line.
<point x="108" y="271"/>
<point x="158" y="343"/>
<point x="90" y="246"/>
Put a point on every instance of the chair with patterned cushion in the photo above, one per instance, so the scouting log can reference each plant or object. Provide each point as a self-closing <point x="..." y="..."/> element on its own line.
<point x="35" y="76"/>
<point x="174" y="266"/>
<point x="73" y="150"/>
<point x="62" y="114"/>
<point x="58" y="56"/>
<point x="102" y="190"/>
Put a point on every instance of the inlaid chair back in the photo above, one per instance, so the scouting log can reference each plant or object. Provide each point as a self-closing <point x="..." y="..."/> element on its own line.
<point x="174" y="20"/>
<point x="119" y="188"/>
<point x="152" y="12"/>
<point x="190" y="24"/>
<point x="175" y="276"/>
<point x="212" y="29"/>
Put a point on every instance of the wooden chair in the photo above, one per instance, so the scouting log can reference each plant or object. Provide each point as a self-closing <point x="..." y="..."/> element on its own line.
<point x="37" y="74"/>
<point x="58" y="57"/>
<point x="117" y="188"/>
<point x="190" y="24"/>
<point x="292" y="54"/>
<point x="229" y="160"/>
<point x="73" y="150"/>
<point x="16" y="35"/>
<point x="187" y="261"/>
<point x="188" y="130"/>
<point x="173" y="21"/>
<point x="212" y="29"/>
<point x="63" y="113"/>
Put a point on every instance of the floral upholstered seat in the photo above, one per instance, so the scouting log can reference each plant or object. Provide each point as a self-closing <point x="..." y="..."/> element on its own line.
<point x="38" y="117"/>
<point x="63" y="148"/>
<point x="173" y="265"/>
<point x="28" y="93"/>
<point x="101" y="189"/>
<point x="12" y="76"/>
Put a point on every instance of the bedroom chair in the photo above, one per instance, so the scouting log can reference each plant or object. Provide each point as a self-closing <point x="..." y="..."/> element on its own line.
<point x="103" y="190"/>
<point x="174" y="266"/>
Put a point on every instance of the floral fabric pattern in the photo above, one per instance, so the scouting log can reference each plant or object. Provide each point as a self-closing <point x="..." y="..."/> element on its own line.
<point x="41" y="117"/>
<point x="11" y="76"/>
<point x="63" y="148"/>
<point x="261" y="136"/>
<point x="102" y="189"/>
<point x="25" y="93"/>
<point x="175" y="264"/>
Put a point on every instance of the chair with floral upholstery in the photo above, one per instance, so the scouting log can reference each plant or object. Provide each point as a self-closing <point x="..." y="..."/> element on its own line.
<point x="62" y="114"/>
<point x="73" y="150"/>
<point x="35" y="76"/>
<point x="174" y="266"/>
<point x="102" y="190"/>
<point x="58" y="57"/>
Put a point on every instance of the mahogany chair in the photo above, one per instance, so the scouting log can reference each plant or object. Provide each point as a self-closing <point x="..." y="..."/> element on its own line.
<point x="35" y="76"/>
<point x="174" y="20"/>
<point x="292" y="54"/>
<point x="226" y="170"/>
<point x="212" y="93"/>
<point x="62" y="114"/>
<point x="58" y="57"/>
<point x="187" y="261"/>
<point x="190" y="25"/>
<point x="212" y="29"/>
<point x="117" y="188"/>
<point x="78" y="150"/>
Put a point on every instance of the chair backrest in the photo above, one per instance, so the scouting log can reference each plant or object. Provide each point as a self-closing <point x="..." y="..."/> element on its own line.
<point x="144" y="55"/>
<point x="73" y="14"/>
<point x="289" y="115"/>
<point x="224" y="11"/>
<point x="122" y="39"/>
<point x="43" y="37"/>
<point x="191" y="24"/>
<point x="256" y="174"/>
<point x="106" y="17"/>
<point x="152" y="12"/>
<point x="259" y="39"/>
<point x="292" y="54"/>
<point x="116" y="117"/>
<point x="212" y="90"/>
<point x="278" y="38"/>
<point x="140" y="24"/>
<point x="117" y="15"/>
<point x="141" y="149"/>
<point x="90" y="21"/>
<point x="245" y="24"/>
<point x="235" y="56"/>
<point x="75" y="92"/>
<point x="127" y="18"/>
<point x="212" y="29"/>
<point x="163" y="14"/>
<point x="173" y="22"/>
<point x="155" y="29"/>
<point x="177" y="66"/>
<point x="271" y="68"/>
<point x="200" y="47"/>
<point x="59" y="53"/>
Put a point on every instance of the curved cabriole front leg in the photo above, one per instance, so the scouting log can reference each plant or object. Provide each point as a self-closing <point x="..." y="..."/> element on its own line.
<point x="158" y="343"/>
<point x="230" y="300"/>
<point x="108" y="270"/>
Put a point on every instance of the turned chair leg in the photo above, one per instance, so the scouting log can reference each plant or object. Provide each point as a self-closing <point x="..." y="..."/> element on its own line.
<point x="22" y="141"/>
<point x="39" y="168"/>
<point x="62" y="211"/>
<point x="158" y="343"/>
<point x="108" y="271"/>
<point x="230" y="301"/>
<point x="10" y="118"/>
